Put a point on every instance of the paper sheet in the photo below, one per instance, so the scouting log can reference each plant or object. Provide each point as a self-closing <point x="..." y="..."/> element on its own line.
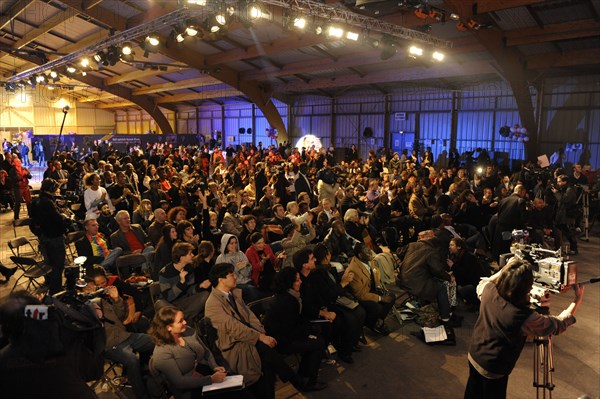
<point x="543" y="161"/>
<point x="435" y="334"/>
<point x="231" y="381"/>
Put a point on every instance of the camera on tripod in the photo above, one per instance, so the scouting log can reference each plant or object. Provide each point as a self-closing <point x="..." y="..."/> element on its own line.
<point x="550" y="270"/>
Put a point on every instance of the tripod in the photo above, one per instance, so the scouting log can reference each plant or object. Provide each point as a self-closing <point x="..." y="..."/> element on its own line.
<point x="543" y="367"/>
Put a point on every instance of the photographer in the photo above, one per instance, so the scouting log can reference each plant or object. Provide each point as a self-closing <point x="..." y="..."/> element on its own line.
<point x="49" y="225"/>
<point x="504" y="322"/>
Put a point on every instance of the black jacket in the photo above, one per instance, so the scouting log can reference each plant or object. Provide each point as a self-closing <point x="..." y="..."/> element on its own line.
<point x="45" y="214"/>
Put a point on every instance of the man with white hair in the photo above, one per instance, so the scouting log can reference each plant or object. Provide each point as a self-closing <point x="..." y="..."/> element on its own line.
<point x="131" y="238"/>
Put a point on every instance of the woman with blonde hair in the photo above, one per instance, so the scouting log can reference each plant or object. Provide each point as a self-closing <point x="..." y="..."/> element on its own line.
<point x="143" y="214"/>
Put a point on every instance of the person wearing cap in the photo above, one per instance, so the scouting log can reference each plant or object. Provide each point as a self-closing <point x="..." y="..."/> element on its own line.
<point x="49" y="225"/>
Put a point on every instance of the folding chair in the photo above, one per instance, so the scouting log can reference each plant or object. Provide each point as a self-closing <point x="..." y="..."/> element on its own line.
<point x="20" y="223"/>
<point x="32" y="270"/>
<point x="70" y="239"/>
<point x="261" y="306"/>
<point x="156" y="296"/>
<point x="126" y="264"/>
<point x="18" y="244"/>
<point x="112" y="379"/>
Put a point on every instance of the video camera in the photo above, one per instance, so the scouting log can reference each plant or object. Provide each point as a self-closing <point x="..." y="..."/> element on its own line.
<point x="550" y="270"/>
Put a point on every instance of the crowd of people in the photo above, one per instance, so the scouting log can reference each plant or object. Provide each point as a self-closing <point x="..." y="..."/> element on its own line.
<point x="222" y="229"/>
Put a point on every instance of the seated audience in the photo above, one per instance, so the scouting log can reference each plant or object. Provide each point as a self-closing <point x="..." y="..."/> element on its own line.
<point x="143" y="215"/>
<point x="231" y="254"/>
<point x="366" y="288"/>
<point x="242" y="338"/>
<point x="164" y="247"/>
<point x="293" y="333"/>
<point x="131" y="238"/>
<point x="154" y="231"/>
<point x="264" y="262"/>
<point x="96" y="248"/>
<point x="178" y="285"/>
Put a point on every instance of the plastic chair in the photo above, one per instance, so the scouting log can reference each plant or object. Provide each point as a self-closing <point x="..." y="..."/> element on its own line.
<point x="32" y="270"/>
<point x="126" y="264"/>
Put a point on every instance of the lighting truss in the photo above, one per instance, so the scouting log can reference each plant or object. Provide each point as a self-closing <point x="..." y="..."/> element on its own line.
<point x="308" y="7"/>
<point x="335" y="14"/>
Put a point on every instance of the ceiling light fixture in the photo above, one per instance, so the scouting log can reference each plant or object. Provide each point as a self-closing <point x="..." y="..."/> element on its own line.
<point x="352" y="36"/>
<point x="300" y="22"/>
<point x="153" y="39"/>
<point x="334" y="31"/>
<point x="437" y="56"/>
<point x="414" y="51"/>
<point x="85" y="62"/>
<point x="127" y="49"/>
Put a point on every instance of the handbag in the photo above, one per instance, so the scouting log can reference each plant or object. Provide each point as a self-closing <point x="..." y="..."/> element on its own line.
<point x="346" y="302"/>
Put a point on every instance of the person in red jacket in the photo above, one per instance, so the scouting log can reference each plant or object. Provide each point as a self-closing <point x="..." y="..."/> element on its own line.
<point x="263" y="260"/>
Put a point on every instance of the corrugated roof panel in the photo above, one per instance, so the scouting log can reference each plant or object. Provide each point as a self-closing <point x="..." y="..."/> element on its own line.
<point x="119" y="7"/>
<point x="514" y="18"/>
<point x="570" y="12"/>
<point x="537" y="48"/>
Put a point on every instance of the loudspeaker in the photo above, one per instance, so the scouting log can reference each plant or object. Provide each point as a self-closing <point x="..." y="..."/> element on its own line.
<point x="242" y="130"/>
<point x="249" y="130"/>
<point x="368" y="132"/>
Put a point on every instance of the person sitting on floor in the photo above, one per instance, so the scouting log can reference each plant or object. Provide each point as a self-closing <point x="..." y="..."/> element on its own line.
<point x="366" y="288"/>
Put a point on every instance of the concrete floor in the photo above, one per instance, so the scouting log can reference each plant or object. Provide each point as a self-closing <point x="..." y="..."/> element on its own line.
<point x="401" y="366"/>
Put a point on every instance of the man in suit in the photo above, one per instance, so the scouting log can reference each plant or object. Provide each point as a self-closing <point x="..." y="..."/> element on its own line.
<point x="366" y="288"/>
<point x="512" y="214"/>
<point x="302" y="184"/>
<point x="241" y="336"/>
<point x="131" y="238"/>
<point x="95" y="247"/>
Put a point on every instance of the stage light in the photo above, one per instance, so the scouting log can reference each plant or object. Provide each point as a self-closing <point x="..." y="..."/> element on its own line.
<point x="40" y="78"/>
<point x="85" y="62"/>
<point x="318" y="30"/>
<point x="113" y="55"/>
<point x="255" y="12"/>
<point x="352" y="36"/>
<point x="197" y="2"/>
<point x="179" y="37"/>
<point x="83" y="73"/>
<point x="415" y="51"/>
<point x="100" y="57"/>
<point x="71" y="69"/>
<point x="300" y="23"/>
<point x="127" y="49"/>
<point x="153" y="39"/>
<point x="461" y="27"/>
<point x="334" y="31"/>
<point x="454" y="17"/>
<point x="220" y="18"/>
<point x="32" y="82"/>
<point x="437" y="56"/>
<point x="192" y="30"/>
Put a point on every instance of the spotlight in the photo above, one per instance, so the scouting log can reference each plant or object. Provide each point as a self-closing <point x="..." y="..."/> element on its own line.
<point x="334" y="31"/>
<point x="352" y="36"/>
<point x="127" y="49"/>
<point x="83" y="73"/>
<point x="437" y="56"/>
<point x="85" y="62"/>
<point x="32" y="82"/>
<point x="113" y="55"/>
<point x="53" y="74"/>
<point x="254" y="12"/>
<point x="153" y="40"/>
<point x="197" y="2"/>
<point x="220" y="18"/>
<point x="454" y="17"/>
<point x="318" y="30"/>
<point x="461" y="27"/>
<point x="300" y="23"/>
<point x="40" y="78"/>
<point x="179" y="37"/>
<point x="71" y="69"/>
<point x="414" y="52"/>
<point x="192" y="30"/>
<point x="215" y="28"/>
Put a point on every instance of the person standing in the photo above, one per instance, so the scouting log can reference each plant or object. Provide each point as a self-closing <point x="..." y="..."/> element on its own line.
<point x="505" y="320"/>
<point x="19" y="179"/>
<point x="49" y="225"/>
<point x="511" y="215"/>
<point x="566" y="211"/>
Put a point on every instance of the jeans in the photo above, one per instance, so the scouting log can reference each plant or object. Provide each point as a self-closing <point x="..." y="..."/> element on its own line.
<point x="110" y="261"/>
<point x="53" y="249"/>
<point x="124" y="354"/>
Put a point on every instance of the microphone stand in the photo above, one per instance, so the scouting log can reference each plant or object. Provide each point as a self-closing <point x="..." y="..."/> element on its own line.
<point x="65" y="110"/>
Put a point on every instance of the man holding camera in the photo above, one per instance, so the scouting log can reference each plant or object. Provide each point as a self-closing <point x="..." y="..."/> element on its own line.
<point x="49" y="225"/>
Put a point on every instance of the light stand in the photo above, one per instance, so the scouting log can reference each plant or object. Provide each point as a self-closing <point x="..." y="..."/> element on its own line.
<point x="65" y="110"/>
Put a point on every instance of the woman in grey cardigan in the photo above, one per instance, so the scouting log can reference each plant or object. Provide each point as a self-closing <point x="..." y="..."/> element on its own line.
<point x="182" y="359"/>
<point x="230" y="253"/>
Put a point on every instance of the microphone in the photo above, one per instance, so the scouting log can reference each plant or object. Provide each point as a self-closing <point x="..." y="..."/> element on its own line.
<point x="590" y="281"/>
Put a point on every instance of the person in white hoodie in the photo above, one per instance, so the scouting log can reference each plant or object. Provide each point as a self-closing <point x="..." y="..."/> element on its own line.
<point x="230" y="253"/>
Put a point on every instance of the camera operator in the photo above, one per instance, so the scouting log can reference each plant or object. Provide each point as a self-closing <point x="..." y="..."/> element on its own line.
<point x="49" y="225"/>
<point x="505" y="320"/>
<point x="566" y="211"/>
